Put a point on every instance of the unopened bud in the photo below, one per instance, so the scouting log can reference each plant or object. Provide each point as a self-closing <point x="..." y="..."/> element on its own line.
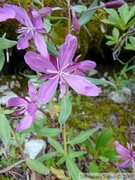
<point x="114" y="4"/>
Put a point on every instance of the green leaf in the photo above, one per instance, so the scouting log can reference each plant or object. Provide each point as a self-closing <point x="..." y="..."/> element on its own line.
<point x="84" y="135"/>
<point x="5" y="43"/>
<point x="5" y="134"/>
<point x="7" y="111"/>
<point x="66" y="108"/>
<point x="76" y="154"/>
<point x="2" y="60"/>
<point x="110" y="43"/>
<point x="104" y="138"/>
<point x="93" y="168"/>
<point x="111" y="155"/>
<point x="116" y="33"/>
<point x="46" y="156"/>
<point x="37" y="166"/>
<point x="47" y="132"/>
<point x="51" y="48"/>
<point x="80" y="8"/>
<point x="61" y="160"/>
<point x="72" y="168"/>
<point x="87" y="16"/>
<point x="56" y="145"/>
<point x="100" y="82"/>
<point x="37" y="1"/>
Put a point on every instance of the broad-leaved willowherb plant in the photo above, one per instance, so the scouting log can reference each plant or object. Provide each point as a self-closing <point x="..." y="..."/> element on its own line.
<point x="57" y="70"/>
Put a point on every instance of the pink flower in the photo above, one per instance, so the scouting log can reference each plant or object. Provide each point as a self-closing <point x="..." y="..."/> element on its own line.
<point x="32" y="27"/>
<point x="25" y="105"/>
<point x="62" y="70"/>
<point x="126" y="154"/>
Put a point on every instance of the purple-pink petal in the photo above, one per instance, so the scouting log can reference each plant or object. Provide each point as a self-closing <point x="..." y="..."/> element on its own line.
<point x="47" y="90"/>
<point x="38" y="62"/>
<point x="16" y="101"/>
<point x="31" y="109"/>
<point x="32" y="92"/>
<point x="41" y="45"/>
<point x="87" y="65"/>
<point x="25" y="123"/>
<point x="124" y="164"/>
<point x="45" y="11"/>
<point x="121" y="149"/>
<point x="6" y="14"/>
<point x="23" y="41"/>
<point x="67" y="51"/>
<point x="21" y="14"/>
<point x="81" y="85"/>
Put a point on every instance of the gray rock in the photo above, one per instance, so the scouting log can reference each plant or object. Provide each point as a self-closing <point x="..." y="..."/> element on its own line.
<point x="92" y="72"/>
<point x="6" y="94"/>
<point x="35" y="148"/>
<point x="121" y="97"/>
<point x="116" y="97"/>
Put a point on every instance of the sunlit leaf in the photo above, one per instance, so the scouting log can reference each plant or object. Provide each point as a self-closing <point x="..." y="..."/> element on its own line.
<point x="104" y="138"/>
<point x="56" y="145"/>
<point x="66" y="107"/>
<point x="37" y="166"/>
<point x="48" y="132"/>
<point x="2" y="60"/>
<point x="72" y="168"/>
<point x="5" y="134"/>
<point x="46" y="156"/>
<point x="5" y="43"/>
<point x="84" y="135"/>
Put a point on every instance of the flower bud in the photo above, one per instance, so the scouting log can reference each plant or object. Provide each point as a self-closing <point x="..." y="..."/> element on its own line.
<point x="75" y="21"/>
<point x="114" y="4"/>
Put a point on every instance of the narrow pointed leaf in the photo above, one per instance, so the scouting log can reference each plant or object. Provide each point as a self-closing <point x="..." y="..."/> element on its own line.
<point x="56" y="145"/>
<point x="61" y="160"/>
<point x="87" y="16"/>
<point x="72" y="168"/>
<point x="59" y="173"/>
<point x="66" y="108"/>
<point x="5" y="43"/>
<point x="46" y="156"/>
<point x="104" y="138"/>
<point x="2" y="60"/>
<point x="48" y="132"/>
<point x="101" y="82"/>
<point x="37" y="166"/>
<point x="5" y="134"/>
<point x="84" y="135"/>
<point x="76" y="154"/>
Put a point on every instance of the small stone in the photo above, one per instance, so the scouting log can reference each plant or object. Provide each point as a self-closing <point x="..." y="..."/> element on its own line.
<point x="116" y="97"/>
<point x="92" y="72"/>
<point x="6" y="96"/>
<point x="35" y="148"/>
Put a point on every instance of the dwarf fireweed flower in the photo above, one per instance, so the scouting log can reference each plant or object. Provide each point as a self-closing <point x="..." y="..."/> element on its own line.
<point x="126" y="154"/>
<point x="25" y="105"/>
<point x="32" y="27"/>
<point x="6" y="13"/>
<point x="62" y="70"/>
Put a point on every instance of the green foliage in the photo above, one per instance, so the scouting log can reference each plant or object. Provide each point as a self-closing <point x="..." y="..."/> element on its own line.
<point x="121" y="19"/>
<point x="131" y="44"/>
<point x="114" y="39"/>
<point x="37" y="166"/>
<point x="103" y="139"/>
<point x="66" y="108"/>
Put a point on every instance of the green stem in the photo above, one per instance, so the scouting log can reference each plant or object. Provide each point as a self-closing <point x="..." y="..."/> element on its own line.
<point x="21" y="150"/>
<point x="65" y="139"/>
<point x="19" y="144"/>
